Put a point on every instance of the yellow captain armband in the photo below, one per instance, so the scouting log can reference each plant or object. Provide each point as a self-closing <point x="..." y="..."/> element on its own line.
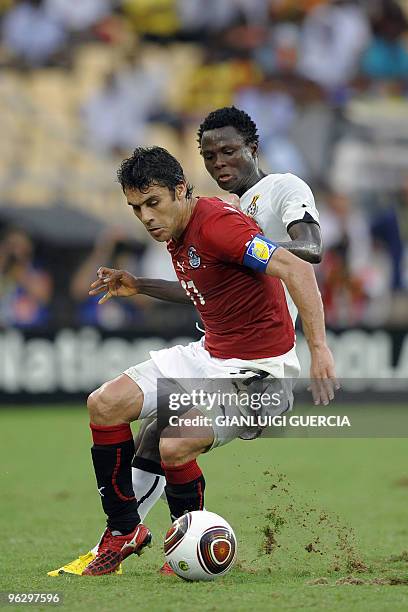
<point x="258" y="253"/>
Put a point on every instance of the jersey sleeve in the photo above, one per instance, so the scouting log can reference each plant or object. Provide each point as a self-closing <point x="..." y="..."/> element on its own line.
<point x="228" y="232"/>
<point x="295" y="201"/>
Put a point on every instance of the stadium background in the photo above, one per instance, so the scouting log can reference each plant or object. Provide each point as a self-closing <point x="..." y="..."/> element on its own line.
<point x="81" y="84"/>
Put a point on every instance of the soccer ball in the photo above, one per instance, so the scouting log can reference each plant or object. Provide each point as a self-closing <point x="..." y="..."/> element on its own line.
<point x="200" y="545"/>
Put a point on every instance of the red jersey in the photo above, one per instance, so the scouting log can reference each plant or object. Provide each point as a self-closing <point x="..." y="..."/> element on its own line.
<point x="244" y="312"/>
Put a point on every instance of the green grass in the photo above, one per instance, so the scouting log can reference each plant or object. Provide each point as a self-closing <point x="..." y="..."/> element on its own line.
<point x="345" y="500"/>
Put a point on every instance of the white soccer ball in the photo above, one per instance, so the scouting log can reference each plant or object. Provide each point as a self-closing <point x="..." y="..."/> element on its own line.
<point x="200" y="545"/>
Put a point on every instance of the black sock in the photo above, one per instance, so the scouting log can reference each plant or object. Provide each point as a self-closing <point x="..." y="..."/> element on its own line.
<point x="184" y="489"/>
<point x="185" y="498"/>
<point x="112" y="464"/>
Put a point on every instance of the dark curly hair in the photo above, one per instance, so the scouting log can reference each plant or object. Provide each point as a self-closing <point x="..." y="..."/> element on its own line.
<point x="230" y="116"/>
<point x="151" y="166"/>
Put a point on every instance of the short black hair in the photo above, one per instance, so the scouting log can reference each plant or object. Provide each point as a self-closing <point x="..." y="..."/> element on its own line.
<point x="230" y="116"/>
<point x="151" y="166"/>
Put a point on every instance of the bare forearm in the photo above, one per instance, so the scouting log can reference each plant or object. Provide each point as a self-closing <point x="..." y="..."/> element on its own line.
<point x="306" y="242"/>
<point x="304" y="291"/>
<point x="170" y="291"/>
<point x="300" y="280"/>
<point x="304" y="249"/>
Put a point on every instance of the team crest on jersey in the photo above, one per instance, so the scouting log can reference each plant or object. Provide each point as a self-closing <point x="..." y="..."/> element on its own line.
<point x="193" y="257"/>
<point x="253" y="207"/>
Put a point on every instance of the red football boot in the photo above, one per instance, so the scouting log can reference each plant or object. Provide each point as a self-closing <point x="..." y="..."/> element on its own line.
<point x="113" y="549"/>
<point x="166" y="570"/>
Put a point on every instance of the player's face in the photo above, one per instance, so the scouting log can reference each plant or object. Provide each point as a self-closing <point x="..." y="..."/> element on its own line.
<point x="230" y="162"/>
<point x="161" y="213"/>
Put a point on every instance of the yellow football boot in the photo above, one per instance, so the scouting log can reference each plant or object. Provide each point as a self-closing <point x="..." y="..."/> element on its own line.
<point x="77" y="566"/>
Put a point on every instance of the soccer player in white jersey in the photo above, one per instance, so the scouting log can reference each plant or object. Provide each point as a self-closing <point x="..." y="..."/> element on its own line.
<point x="281" y="204"/>
<point x="284" y="208"/>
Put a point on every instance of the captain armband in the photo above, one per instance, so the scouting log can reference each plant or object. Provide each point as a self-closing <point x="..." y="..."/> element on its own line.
<point x="258" y="253"/>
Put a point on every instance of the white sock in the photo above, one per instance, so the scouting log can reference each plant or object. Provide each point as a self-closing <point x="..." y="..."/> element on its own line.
<point x="148" y="488"/>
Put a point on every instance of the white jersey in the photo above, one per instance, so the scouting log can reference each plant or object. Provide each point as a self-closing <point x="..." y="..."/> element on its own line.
<point x="275" y="202"/>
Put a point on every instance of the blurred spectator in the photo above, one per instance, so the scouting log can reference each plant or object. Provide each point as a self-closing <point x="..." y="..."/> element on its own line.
<point x="344" y="223"/>
<point x="113" y="251"/>
<point x="31" y="34"/>
<point x="284" y="9"/>
<point x="387" y="55"/>
<point x="215" y="82"/>
<point x="315" y="127"/>
<point x="279" y="52"/>
<point x="273" y="108"/>
<point x="402" y="213"/>
<point x="78" y="15"/>
<point x="384" y="227"/>
<point x="116" y="116"/>
<point x="354" y="278"/>
<point x="154" y="18"/>
<point x="296" y="124"/>
<point x="219" y="16"/>
<point x="343" y="293"/>
<point x="25" y="287"/>
<point x="333" y="37"/>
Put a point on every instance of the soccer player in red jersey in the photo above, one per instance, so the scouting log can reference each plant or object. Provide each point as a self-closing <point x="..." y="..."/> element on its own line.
<point x="281" y="204"/>
<point x="232" y="273"/>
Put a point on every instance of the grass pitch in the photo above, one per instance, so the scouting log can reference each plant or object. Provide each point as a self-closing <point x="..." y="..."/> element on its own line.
<point x="320" y="523"/>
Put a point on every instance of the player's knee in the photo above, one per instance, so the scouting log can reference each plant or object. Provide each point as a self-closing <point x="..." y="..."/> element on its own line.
<point x="172" y="451"/>
<point x="100" y="405"/>
<point x="176" y="451"/>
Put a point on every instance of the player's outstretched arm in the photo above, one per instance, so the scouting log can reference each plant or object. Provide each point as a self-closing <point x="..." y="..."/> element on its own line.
<point x="170" y="291"/>
<point x="300" y="280"/>
<point x="119" y="283"/>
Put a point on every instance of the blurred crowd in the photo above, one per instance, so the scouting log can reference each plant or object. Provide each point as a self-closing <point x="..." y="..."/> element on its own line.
<point x="83" y="82"/>
<point x="44" y="287"/>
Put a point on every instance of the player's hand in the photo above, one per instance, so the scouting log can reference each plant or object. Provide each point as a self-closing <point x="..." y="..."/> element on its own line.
<point x="323" y="381"/>
<point x="114" y="283"/>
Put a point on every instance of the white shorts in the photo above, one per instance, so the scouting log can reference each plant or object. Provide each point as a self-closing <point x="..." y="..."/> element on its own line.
<point x="194" y="362"/>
